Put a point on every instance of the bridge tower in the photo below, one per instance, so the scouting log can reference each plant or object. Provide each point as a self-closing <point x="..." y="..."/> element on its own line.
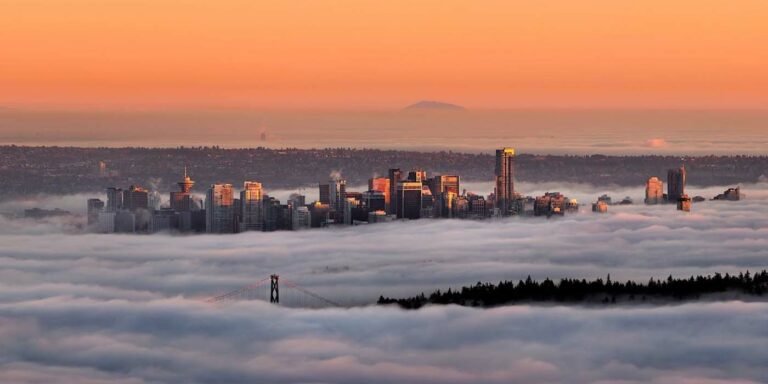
<point x="274" y="289"/>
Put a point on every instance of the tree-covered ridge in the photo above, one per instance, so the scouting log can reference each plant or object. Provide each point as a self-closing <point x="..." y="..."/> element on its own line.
<point x="575" y="290"/>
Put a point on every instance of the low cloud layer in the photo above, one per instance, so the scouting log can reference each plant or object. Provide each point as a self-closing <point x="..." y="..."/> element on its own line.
<point x="130" y="309"/>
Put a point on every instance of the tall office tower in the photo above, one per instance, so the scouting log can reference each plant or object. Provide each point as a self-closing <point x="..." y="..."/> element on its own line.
<point x="325" y="193"/>
<point x="417" y="175"/>
<point x="382" y="185"/>
<point x="445" y="183"/>
<point x="95" y="206"/>
<point x="319" y="214"/>
<point x="409" y="199"/>
<point x="427" y="203"/>
<point x="219" y="209"/>
<point x="505" y="184"/>
<point x="252" y="207"/>
<point x="272" y="213"/>
<point x="300" y="218"/>
<point x="448" y="204"/>
<point x="181" y="200"/>
<point x="654" y="191"/>
<point x="338" y="194"/>
<point x="135" y="198"/>
<point x="114" y="199"/>
<point x="395" y="175"/>
<point x="675" y="184"/>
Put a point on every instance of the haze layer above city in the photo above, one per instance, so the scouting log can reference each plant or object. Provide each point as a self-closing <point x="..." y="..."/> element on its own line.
<point x="536" y="131"/>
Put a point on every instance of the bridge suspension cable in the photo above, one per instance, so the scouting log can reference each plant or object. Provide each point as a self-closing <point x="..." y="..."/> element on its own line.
<point x="258" y="291"/>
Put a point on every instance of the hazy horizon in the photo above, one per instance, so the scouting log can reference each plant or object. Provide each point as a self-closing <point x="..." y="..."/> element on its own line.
<point x="539" y="131"/>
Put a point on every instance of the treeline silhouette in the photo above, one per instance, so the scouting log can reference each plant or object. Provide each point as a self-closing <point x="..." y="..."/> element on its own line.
<point x="599" y="290"/>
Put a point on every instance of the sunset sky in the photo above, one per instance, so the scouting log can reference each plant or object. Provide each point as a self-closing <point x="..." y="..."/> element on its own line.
<point x="366" y="54"/>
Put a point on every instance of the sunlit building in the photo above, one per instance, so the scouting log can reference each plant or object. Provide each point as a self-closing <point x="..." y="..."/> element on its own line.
<point x="654" y="191"/>
<point x="505" y="184"/>
<point x="684" y="203"/>
<point x="219" y="209"/>
<point x="251" y="207"/>
<point x="600" y="207"/>
<point x="381" y="184"/>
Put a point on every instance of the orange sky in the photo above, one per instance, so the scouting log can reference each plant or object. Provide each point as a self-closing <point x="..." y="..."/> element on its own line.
<point x="383" y="54"/>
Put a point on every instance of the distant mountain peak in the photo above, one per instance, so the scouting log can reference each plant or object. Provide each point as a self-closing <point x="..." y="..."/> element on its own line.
<point x="434" y="105"/>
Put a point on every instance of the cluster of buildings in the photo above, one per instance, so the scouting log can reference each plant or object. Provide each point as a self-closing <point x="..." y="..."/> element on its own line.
<point x="654" y="190"/>
<point x="400" y="195"/>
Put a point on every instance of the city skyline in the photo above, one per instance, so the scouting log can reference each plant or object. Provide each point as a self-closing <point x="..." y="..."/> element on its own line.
<point x="400" y="196"/>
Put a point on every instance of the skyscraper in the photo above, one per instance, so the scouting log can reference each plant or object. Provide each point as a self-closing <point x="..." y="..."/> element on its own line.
<point x="409" y="199"/>
<point x="446" y="183"/>
<point x="252" y="210"/>
<point x="381" y="184"/>
<point x="219" y="209"/>
<point x="505" y="184"/>
<point x="135" y="198"/>
<point x="337" y="192"/>
<point x="114" y="199"/>
<point x="654" y="191"/>
<point x="395" y="175"/>
<point x="325" y="193"/>
<point x="675" y="184"/>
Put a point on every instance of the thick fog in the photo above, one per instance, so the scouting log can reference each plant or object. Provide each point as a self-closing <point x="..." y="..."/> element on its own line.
<point x="88" y="308"/>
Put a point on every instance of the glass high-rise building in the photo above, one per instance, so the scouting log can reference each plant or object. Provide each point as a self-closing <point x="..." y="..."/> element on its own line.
<point x="409" y="199"/>
<point x="252" y="207"/>
<point x="135" y="198"/>
<point x="381" y="184"/>
<point x="219" y="209"/>
<point x="676" y="184"/>
<point x="505" y="184"/>
<point x="395" y="175"/>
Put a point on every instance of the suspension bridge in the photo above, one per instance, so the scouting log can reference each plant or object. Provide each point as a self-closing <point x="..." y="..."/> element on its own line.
<point x="277" y="291"/>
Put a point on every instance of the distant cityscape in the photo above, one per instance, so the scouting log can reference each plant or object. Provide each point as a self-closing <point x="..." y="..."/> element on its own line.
<point x="400" y="195"/>
<point x="28" y="171"/>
